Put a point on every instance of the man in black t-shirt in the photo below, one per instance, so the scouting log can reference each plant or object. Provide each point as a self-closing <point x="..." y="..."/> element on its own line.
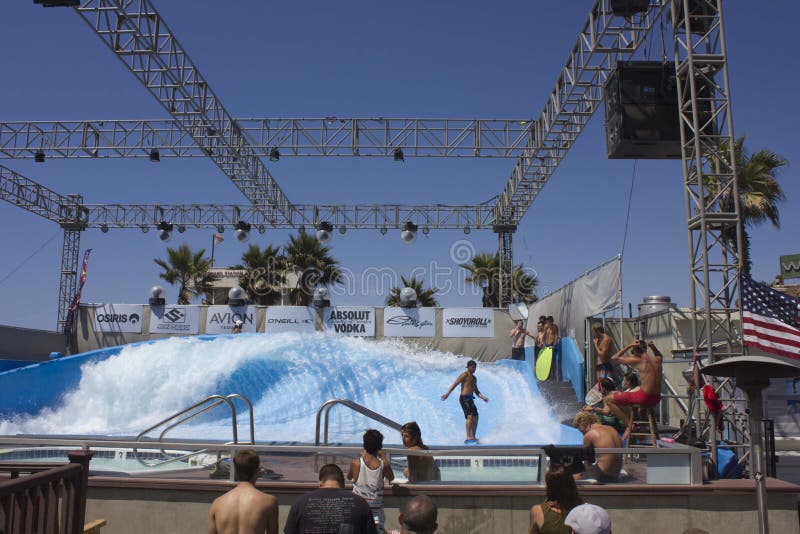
<point x="331" y="509"/>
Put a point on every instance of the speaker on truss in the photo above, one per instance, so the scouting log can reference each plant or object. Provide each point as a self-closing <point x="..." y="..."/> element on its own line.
<point x="701" y="16"/>
<point x="628" y="8"/>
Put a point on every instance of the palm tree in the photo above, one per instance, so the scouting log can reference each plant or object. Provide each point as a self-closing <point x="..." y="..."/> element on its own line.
<point x="263" y="276"/>
<point x="484" y="271"/>
<point x="189" y="270"/>
<point x="313" y="265"/>
<point x="759" y="191"/>
<point x="425" y="298"/>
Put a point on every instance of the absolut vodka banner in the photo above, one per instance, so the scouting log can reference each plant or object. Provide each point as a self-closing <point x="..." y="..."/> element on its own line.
<point x="220" y="319"/>
<point x="176" y="319"/>
<point x="351" y="320"/>
<point x="409" y="322"/>
<point x="290" y="319"/>
<point x="118" y="318"/>
<point x="467" y="322"/>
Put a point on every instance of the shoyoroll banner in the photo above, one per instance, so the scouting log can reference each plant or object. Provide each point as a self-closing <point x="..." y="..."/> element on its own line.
<point x="467" y="322"/>
<point x="351" y="320"/>
<point x="290" y="319"/>
<point x="174" y="320"/>
<point x="409" y="322"/>
<point x="220" y="319"/>
<point x="118" y="318"/>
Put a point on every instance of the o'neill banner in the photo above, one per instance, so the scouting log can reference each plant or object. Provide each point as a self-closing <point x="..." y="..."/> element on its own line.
<point x="351" y="320"/>
<point x="290" y="319"/>
<point x="220" y="319"/>
<point x="409" y="322"/>
<point x="174" y="320"/>
<point x="118" y="318"/>
<point x="467" y="322"/>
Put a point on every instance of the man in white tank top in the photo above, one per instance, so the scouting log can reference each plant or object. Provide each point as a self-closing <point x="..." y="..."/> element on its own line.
<point x="367" y="473"/>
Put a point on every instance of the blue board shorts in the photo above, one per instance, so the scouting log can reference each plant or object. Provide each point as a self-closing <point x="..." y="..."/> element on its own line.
<point x="468" y="405"/>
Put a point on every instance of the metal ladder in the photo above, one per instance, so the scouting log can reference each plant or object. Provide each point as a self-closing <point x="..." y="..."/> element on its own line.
<point x="190" y="413"/>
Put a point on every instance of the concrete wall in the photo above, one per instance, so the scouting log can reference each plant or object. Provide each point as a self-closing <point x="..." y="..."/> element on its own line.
<point x="470" y="509"/>
<point x="28" y="344"/>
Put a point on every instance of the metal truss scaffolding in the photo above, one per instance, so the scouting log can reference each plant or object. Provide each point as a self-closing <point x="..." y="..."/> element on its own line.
<point x="709" y="172"/>
<point x="73" y="224"/>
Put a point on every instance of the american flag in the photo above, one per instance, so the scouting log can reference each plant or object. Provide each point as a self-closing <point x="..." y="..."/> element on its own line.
<point x="770" y="319"/>
<point x="218" y="239"/>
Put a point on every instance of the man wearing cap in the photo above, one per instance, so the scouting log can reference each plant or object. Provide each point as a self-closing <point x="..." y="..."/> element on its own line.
<point x="469" y="388"/>
<point x="588" y="519"/>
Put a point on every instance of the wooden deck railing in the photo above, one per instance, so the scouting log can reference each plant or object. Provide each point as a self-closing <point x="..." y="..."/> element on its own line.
<point x="52" y="500"/>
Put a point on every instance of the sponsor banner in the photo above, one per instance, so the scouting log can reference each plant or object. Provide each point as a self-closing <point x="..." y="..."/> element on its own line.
<point x="467" y="322"/>
<point x="351" y="320"/>
<point x="409" y="322"/>
<point x="290" y="319"/>
<point x="174" y="320"/>
<point x="220" y="319"/>
<point x="118" y="318"/>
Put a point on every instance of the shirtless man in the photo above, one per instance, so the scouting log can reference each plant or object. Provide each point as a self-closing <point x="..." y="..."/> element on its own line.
<point x="469" y="388"/>
<point x="604" y="346"/>
<point x="650" y="373"/>
<point x="550" y="332"/>
<point x="599" y="436"/>
<point x="244" y="509"/>
<point x="518" y="347"/>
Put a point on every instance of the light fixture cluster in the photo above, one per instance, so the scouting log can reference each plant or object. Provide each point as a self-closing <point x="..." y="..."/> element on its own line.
<point x="408" y="232"/>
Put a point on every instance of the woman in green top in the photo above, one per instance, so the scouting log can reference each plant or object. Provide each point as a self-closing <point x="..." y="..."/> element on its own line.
<point x="561" y="496"/>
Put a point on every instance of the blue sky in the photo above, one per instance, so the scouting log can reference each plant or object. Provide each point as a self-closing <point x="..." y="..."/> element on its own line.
<point x="442" y="59"/>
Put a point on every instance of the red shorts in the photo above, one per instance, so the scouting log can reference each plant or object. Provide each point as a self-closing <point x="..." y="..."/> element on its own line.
<point x="626" y="398"/>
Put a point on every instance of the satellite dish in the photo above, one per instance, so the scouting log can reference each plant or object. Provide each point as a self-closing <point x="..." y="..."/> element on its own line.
<point x="518" y="311"/>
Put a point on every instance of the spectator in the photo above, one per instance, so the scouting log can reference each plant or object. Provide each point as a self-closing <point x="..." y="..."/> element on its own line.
<point x="244" y="509"/>
<point x="368" y="472"/>
<point x="418" y="516"/>
<point x="331" y="509"/>
<point x="599" y="436"/>
<point x="518" y="333"/>
<point x="561" y="496"/>
<point x="604" y="347"/>
<point x="420" y="468"/>
<point x="551" y="340"/>
<point x="602" y="411"/>
<point x="588" y="519"/>
<point x="237" y="327"/>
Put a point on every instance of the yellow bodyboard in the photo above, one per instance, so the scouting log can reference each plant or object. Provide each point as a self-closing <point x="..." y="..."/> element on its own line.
<point x="543" y="363"/>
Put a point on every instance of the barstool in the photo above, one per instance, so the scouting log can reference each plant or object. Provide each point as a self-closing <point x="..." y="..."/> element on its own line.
<point x="643" y="427"/>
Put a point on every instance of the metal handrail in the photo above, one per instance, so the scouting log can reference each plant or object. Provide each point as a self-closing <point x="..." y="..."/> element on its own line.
<point x="363" y="410"/>
<point x="217" y="401"/>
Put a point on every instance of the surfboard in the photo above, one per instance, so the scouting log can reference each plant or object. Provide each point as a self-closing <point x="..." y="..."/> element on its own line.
<point x="543" y="363"/>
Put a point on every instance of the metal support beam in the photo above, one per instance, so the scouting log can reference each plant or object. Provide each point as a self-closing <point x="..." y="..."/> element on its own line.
<point x="73" y="224"/>
<point x="33" y="197"/>
<point x="140" y="38"/>
<point x="328" y="136"/>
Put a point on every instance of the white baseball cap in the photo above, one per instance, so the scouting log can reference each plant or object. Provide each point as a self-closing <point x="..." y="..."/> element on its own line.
<point x="588" y="519"/>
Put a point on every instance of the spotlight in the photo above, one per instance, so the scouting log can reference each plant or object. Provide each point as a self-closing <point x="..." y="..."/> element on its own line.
<point x="242" y="233"/>
<point x="384" y="230"/>
<point x="342" y="229"/>
<point x="321" y="298"/>
<point x="274" y="155"/>
<point x="408" y="298"/>
<point x="38" y="156"/>
<point x="237" y="297"/>
<point x="155" y="156"/>
<point x="221" y="229"/>
<point x="466" y="229"/>
<point x="426" y="230"/>
<point x="398" y="154"/>
<point x="157" y="296"/>
<point x="181" y="229"/>
<point x="145" y="228"/>
<point x="104" y="228"/>
<point x="165" y="231"/>
<point x="409" y="233"/>
<point x="261" y="229"/>
<point x="324" y="230"/>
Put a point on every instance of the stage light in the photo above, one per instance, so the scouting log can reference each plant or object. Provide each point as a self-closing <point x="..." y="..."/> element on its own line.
<point x="242" y="233"/>
<point x="409" y="232"/>
<point x="274" y="155"/>
<point x="157" y="296"/>
<point x="221" y="229"/>
<point x="398" y="154"/>
<point x="237" y="297"/>
<point x="466" y="229"/>
<point x="261" y="229"/>
<point x="342" y="229"/>
<point x="384" y="230"/>
<point x="165" y="231"/>
<point x="104" y="228"/>
<point x="426" y="230"/>
<point x="181" y="228"/>
<point x="38" y="156"/>
<point x="144" y="228"/>
<point x="324" y="230"/>
<point x="155" y="156"/>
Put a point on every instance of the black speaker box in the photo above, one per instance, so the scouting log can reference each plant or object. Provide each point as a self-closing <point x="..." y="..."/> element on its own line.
<point x="628" y="8"/>
<point x="701" y="15"/>
<point x="641" y="111"/>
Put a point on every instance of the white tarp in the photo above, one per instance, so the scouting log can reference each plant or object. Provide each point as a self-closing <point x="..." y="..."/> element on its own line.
<point x="409" y="322"/>
<point x="174" y="320"/>
<point x="351" y="320"/>
<point x="468" y="322"/>
<point x="220" y="319"/>
<point x="118" y="318"/>
<point x="290" y="319"/>
<point x="590" y="294"/>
